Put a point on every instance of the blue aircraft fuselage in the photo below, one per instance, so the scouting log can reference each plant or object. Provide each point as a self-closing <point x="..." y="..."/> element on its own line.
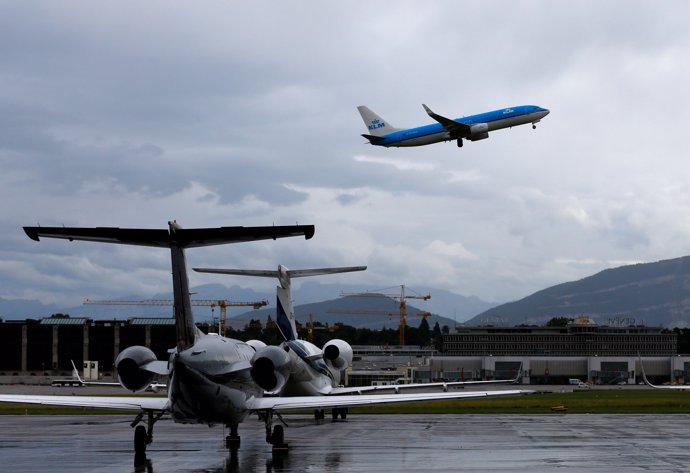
<point x="473" y="127"/>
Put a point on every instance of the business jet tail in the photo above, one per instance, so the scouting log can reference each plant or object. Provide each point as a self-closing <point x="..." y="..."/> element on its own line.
<point x="285" y="318"/>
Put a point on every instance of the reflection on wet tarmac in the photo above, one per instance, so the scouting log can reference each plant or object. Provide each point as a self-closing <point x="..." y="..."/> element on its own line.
<point x="412" y="443"/>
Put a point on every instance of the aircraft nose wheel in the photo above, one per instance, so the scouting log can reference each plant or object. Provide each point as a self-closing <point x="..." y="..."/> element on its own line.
<point x="534" y="127"/>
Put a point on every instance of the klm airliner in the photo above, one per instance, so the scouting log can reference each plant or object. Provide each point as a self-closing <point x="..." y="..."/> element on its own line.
<point x="473" y="128"/>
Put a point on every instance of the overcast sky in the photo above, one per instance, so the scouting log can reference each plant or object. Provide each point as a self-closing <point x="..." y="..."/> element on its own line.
<point x="225" y="113"/>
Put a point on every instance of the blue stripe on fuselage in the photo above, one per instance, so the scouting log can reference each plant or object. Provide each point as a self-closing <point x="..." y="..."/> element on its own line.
<point x="427" y="131"/>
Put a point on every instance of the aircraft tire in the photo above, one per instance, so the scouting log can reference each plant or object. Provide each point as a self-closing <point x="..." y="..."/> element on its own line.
<point x="459" y="142"/>
<point x="278" y="437"/>
<point x="140" y="440"/>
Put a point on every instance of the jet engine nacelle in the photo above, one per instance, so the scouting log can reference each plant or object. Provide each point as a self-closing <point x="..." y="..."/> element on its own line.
<point x="338" y="354"/>
<point x="479" y="131"/>
<point x="129" y="368"/>
<point x="270" y="368"/>
<point x="256" y="344"/>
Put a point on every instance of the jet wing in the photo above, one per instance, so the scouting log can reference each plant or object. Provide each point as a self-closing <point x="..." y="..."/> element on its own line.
<point x="102" y="402"/>
<point x="400" y="387"/>
<point x="456" y="129"/>
<point x="189" y="238"/>
<point x="656" y="386"/>
<point x="312" y="402"/>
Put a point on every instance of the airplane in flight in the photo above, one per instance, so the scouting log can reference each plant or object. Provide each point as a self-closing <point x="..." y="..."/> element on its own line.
<point x="211" y="379"/>
<point x="305" y="369"/>
<point x="472" y="128"/>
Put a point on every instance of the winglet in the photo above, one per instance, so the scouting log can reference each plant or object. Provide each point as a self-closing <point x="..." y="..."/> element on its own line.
<point x="456" y="129"/>
<point x="644" y="375"/>
<point x="75" y="373"/>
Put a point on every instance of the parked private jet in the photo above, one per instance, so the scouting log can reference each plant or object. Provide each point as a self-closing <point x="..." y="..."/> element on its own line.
<point x="473" y="128"/>
<point x="306" y="370"/>
<point x="212" y="379"/>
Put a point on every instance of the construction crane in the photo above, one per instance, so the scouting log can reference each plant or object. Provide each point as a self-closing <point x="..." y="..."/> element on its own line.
<point x="311" y="328"/>
<point x="212" y="303"/>
<point x="401" y="298"/>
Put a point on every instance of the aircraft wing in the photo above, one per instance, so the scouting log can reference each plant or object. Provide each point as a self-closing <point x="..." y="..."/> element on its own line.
<point x="102" y="402"/>
<point x="188" y="238"/>
<point x="314" y="402"/>
<point x="656" y="386"/>
<point x="444" y="385"/>
<point x="456" y="129"/>
<point x="400" y="387"/>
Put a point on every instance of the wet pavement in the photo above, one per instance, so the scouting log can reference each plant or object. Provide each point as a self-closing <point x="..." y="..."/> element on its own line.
<point x="388" y="443"/>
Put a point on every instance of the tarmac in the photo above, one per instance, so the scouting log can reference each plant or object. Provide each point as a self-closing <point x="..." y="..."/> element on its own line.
<point x="363" y="443"/>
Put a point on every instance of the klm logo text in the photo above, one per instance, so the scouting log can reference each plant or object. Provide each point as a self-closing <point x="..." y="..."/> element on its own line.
<point x="376" y="124"/>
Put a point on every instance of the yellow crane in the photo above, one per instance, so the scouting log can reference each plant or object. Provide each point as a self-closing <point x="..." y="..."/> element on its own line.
<point x="212" y="303"/>
<point x="311" y="327"/>
<point x="402" y="304"/>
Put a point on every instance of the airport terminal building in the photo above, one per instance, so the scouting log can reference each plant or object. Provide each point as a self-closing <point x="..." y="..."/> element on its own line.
<point x="31" y="350"/>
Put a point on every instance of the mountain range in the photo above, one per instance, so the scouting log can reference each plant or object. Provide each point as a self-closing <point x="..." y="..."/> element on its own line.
<point x="652" y="294"/>
<point x="310" y="298"/>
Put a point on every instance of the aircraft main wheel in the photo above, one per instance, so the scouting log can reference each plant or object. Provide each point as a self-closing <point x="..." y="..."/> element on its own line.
<point x="460" y="143"/>
<point x="278" y="437"/>
<point x="140" y="440"/>
<point x="343" y="413"/>
<point x="534" y="127"/>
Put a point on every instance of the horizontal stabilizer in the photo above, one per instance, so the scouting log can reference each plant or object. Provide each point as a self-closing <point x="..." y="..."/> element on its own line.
<point x="374" y="139"/>
<point x="186" y="238"/>
<point x="293" y="273"/>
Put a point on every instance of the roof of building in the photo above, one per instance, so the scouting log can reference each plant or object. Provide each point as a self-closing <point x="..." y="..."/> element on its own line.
<point x="65" y="321"/>
<point x="152" y="321"/>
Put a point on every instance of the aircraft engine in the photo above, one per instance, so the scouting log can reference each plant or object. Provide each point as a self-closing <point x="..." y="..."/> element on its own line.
<point x="338" y="354"/>
<point x="129" y="368"/>
<point x="480" y="131"/>
<point x="270" y="368"/>
<point x="256" y="344"/>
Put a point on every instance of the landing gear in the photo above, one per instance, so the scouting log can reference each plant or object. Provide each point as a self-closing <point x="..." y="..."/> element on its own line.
<point x="232" y="441"/>
<point x="342" y="412"/>
<point x="459" y="142"/>
<point x="319" y="414"/>
<point x="144" y="436"/>
<point x="140" y="440"/>
<point x="277" y="436"/>
<point x="534" y="127"/>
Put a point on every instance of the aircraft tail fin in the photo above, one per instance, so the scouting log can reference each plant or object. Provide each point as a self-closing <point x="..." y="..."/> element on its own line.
<point x="377" y="126"/>
<point x="285" y="317"/>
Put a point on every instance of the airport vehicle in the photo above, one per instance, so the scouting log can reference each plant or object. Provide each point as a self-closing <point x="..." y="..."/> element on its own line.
<point x="212" y="379"/>
<point x="472" y="128"/>
<point x="574" y="381"/>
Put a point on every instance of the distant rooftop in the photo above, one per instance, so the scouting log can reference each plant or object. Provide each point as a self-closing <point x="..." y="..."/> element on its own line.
<point x="65" y="321"/>
<point x="152" y="321"/>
